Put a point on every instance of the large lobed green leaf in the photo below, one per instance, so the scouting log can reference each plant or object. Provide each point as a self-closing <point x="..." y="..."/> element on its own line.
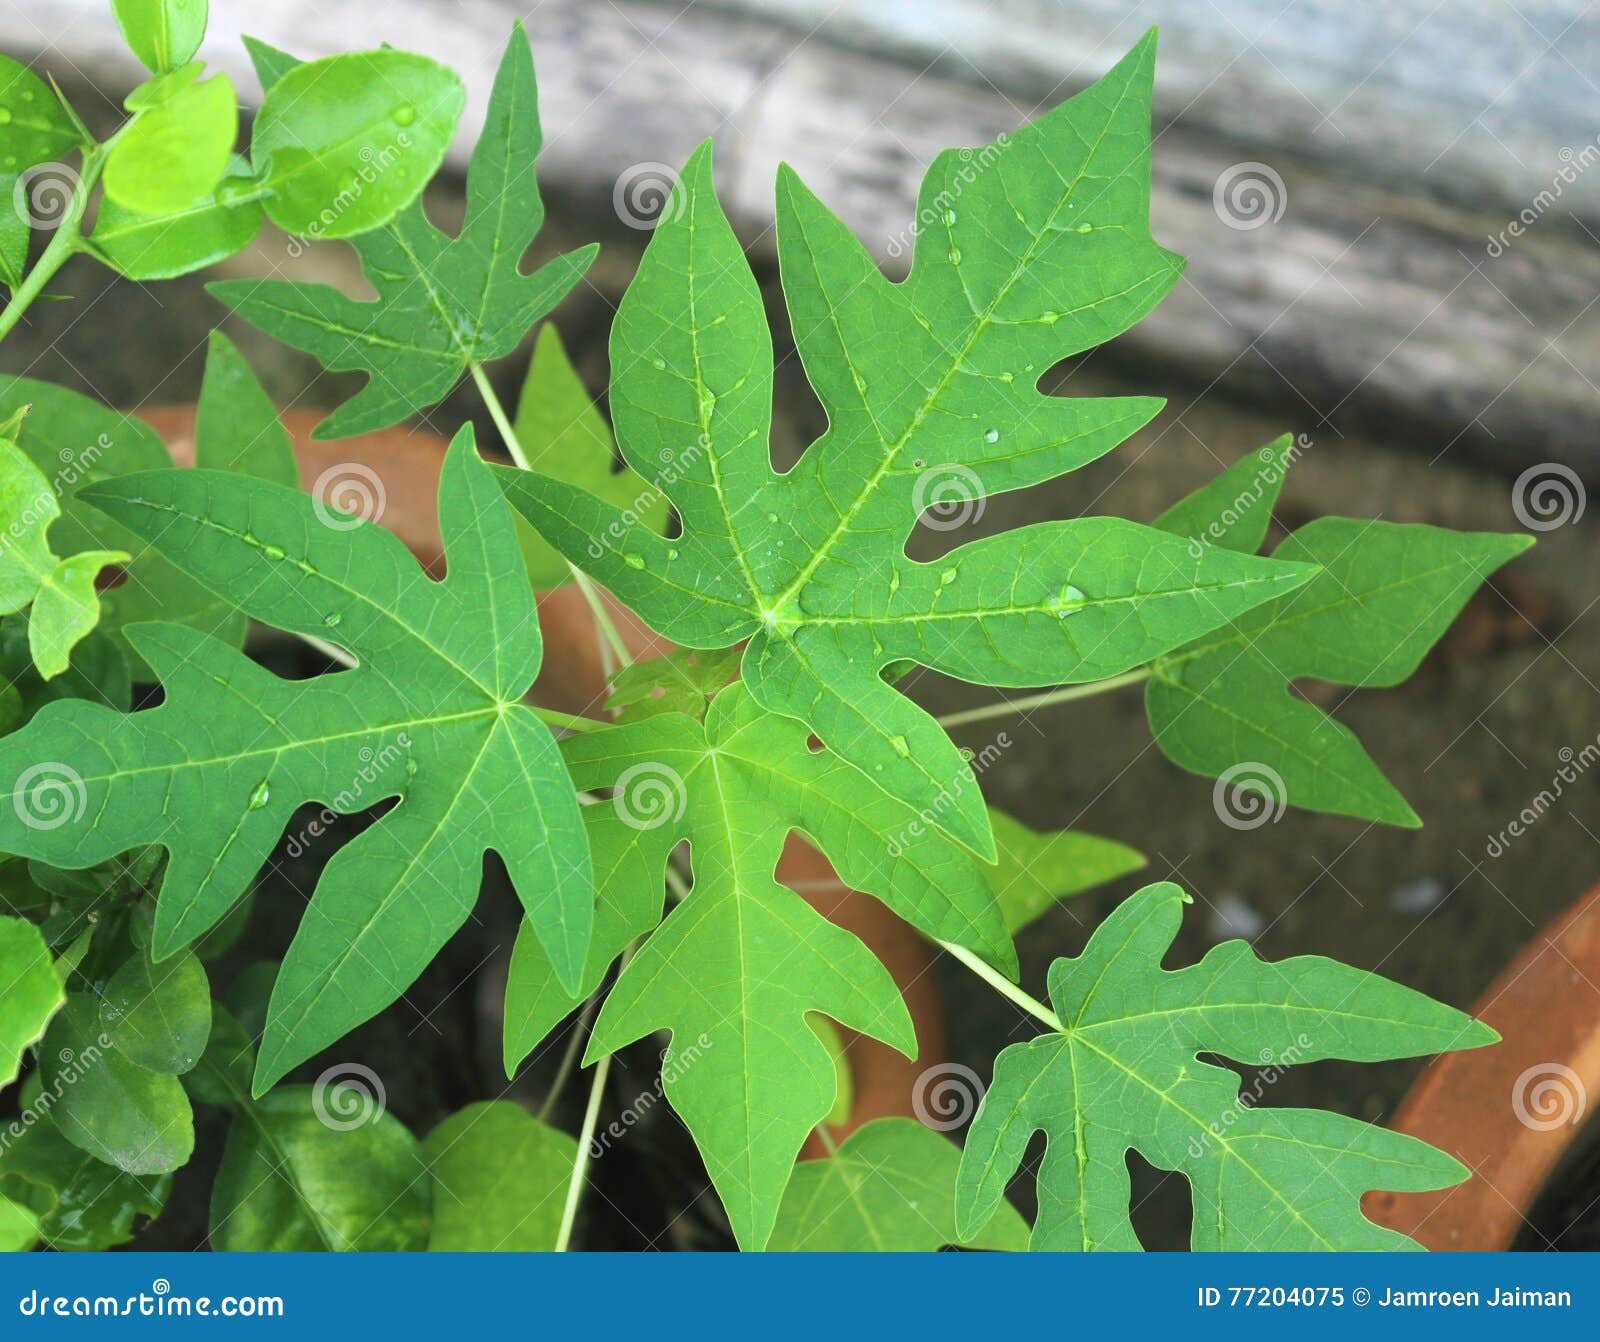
<point x="1382" y="596"/>
<point x="1124" y="1072"/>
<point x="431" y="716"/>
<point x="735" y="970"/>
<point x="499" y="1180"/>
<point x="1038" y="247"/>
<point x="442" y="303"/>
<point x="76" y="442"/>
<point x="889" y="1188"/>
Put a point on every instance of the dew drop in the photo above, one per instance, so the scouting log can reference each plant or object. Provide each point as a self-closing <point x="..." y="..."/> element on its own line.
<point x="658" y="363"/>
<point x="991" y="436"/>
<point x="272" y="552"/>
<point x="405" y="114"/>
<point x="672" y="553"/>
<point x="948" y="576"/>
<point x="5" y="116"/>
<point x="900" y="747"/>
<point x="633" y="561"/>
<point x="332" y="619"/>
<point x="949" y="218"/>
<point x="955" y="256"/>
<point x="261" y="796"/>
<point x="772" y="519"/>
<point x="1086" y="228"/>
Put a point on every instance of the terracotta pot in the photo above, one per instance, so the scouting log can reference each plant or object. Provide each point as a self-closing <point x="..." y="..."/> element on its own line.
<point x="1509" y="1112"/>
<point x="573" y="680"/>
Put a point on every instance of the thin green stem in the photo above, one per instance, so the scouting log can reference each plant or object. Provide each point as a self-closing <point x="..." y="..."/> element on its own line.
<point x="1064" y="695"/>
<point x="591" y="593"/>
<point x="569" y="1058"/>
<point x="1035" y="1008"/>
<point x="580" y="1166"/>
<point x="63" y="243"/>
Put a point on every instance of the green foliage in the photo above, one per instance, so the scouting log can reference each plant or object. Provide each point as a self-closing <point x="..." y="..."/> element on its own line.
<point x="173" y="155"/>
<point x="1382" y="595"/>
<point x="60" y="591"/>
<point x="1034" y="871"/>
<point x="39" y="128"/>
<point x="1123" y="1072"/>
<point x="107" y="1104"/>
<point x="563" y="435"/>
<point x="163" y="34"/>
<point x="926" y="385"/>
<point x="443" y="303"/>
<point x="745" y="1069"/>
<point x="432" y="715"/>
<point x="344" y="143"/>
<point x="129" y="840"/>
<point x="30" y="993"/>
<point x="890" y="1188"/>
<point x="499" y="1177"/>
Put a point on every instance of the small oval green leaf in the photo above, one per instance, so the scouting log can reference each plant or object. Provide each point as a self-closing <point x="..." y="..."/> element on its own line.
<point x="35" y="127"/>
<point x="344" y="143"/>
<point x="123" y="1114"/>
<point x="158" y="1015"/>
<point x="163" y="34"/>
<point x="173" y="156"/>
<point x="162" y="246"/>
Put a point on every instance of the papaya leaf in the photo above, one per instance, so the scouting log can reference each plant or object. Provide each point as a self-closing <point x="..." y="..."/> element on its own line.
<point x="1039" y="248"/>
<point x="1124" y="1071"/>
<point x="889" y="1188"/>
<point x="563" y="435"/>
<point x="77" y="442"/>
<point x="499" y="1180"/>
<point x="236" y="425"/>
<point x="684" y="681"/>
<point x="745" y="1070"/>
<point x="1384" y="593"/>
<point x="30" y="993"/>
<point x="1035" y="871"/>
<point x="59" y="593"/>
<point x="442" y="303"/>
<point x="432" y="715"/>
<point x="19" y="1226"/>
